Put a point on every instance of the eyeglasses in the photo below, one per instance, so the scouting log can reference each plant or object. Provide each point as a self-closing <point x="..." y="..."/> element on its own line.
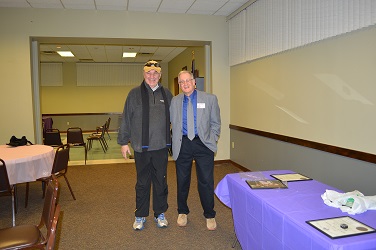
<point x="150" y="64"/>
<point x="186" y="81"/>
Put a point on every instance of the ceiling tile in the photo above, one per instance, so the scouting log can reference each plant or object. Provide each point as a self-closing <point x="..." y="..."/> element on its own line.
<point x="228" y="8"/>
<point x="14" y="3"/>
<point x="80" y="51"/>
<point x="144" y="5"/>
<point x="131" y="48"/>
<point x="175" y="6"/>
<point x="79" y="4"/>
<point x="206" y="7"/>
<point x="111" y="4"/>
<point x="51" y="4"/>
<point x="147" y="49"/>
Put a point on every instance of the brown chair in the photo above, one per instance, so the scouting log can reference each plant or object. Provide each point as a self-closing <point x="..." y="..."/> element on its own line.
<point x="59" y="168"/>
<point x="51" y="240"/>
<point x="8" y="190"/>
<point x="98" y="136"/>
<point x="35" y="236"/>
<point x="52" y="137"/>
<point x="107" y="127"/>
<point x="75" y="138"/>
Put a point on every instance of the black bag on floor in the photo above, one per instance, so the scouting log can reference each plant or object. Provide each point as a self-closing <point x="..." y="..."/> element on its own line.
<point x="15" y="142"/>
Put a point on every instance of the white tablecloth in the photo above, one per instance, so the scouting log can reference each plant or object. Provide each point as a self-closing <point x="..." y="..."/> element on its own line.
<point x="27" y="163"/>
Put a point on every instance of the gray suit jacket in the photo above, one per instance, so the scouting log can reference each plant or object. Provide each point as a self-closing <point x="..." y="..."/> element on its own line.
<point x="208" y="121"/>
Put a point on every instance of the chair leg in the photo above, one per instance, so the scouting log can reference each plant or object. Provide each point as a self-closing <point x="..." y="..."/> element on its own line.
<point x="15" y="198"/>
<point x="103" y="146"/>
<point x="13" y="211"/>
<point x="69" y="186"/>
<point x="105" y="142"/>
<point x="44" y="184"/>
<point x="85" y="154"/>
<point x="88" y="144"/>
<point x="14" y="203"/>
<point x="235" y="242"/>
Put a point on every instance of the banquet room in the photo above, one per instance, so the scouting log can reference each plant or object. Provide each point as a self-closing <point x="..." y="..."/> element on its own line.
<point x="295" y="86"/>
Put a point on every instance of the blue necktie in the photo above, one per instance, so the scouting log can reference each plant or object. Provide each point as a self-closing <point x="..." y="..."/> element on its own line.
<point x="190" y="120"/>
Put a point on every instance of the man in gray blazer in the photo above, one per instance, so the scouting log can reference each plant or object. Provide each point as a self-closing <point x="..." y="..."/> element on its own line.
<point x="201" y="146"/>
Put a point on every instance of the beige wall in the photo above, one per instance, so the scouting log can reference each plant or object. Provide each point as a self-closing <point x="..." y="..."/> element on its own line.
<point x="323" y="92"/>
<point x="17" y="26"/>
<point x="70" y="98"/>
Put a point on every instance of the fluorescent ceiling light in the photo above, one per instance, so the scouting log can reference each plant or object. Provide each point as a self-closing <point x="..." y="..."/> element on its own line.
<point x="65" y="53"/>
<point x="129" y="54"/>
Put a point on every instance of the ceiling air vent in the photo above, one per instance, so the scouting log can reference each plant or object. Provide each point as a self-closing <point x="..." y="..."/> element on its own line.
<point x="48" y="52"/>
<point x="86" y="60"/>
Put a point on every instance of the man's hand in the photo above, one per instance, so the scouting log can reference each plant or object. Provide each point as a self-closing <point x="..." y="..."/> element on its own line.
<point x="125" y="150"/>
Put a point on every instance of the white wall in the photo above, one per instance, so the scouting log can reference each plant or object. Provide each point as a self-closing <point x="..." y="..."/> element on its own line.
<point x="17" y="26"/>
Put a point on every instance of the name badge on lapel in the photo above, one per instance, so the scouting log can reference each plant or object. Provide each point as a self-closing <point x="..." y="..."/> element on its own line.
<point x="200" y="105"/>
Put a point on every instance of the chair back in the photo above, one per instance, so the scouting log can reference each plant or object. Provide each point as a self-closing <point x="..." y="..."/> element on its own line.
<point x="52" y="137"/>
<point x="5" y="188"/>
<point x="75" y="136"/>
<point x="51" y="234"/>
<point x="50" y="201"/>
<point x="103" y="129"/>
<point x="108" y="123"/>
<point x="61" y="159"/>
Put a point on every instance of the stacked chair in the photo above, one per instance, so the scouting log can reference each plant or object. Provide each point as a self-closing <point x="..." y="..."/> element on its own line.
<point x="107" y="127"/>
<point x="98" y="136"/>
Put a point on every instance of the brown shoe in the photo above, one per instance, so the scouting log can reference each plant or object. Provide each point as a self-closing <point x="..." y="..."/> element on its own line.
<point x="211" y="224"/>
<point x="182" y="220"/>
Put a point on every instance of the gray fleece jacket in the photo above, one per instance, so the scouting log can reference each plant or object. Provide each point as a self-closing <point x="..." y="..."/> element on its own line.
<point x="131" y="122"/>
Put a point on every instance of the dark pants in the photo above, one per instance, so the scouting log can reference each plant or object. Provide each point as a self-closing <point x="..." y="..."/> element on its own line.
<point x="151" y="168"/>
<point x="204" y="159"/>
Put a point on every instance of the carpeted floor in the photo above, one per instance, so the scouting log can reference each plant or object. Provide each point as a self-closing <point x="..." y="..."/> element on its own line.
<point x="102" y="216"/>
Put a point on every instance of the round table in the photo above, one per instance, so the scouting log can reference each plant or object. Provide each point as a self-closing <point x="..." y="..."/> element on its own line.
<point x="27" y="163"/>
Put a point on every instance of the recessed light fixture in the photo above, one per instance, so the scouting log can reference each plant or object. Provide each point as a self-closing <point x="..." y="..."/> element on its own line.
<point x="65" y="53"/>
<point x="129" y="54"/>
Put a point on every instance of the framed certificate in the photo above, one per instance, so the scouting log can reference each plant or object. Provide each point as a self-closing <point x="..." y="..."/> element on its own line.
<point x="291" y="177"/>
<point x="265" y="184"/>
<point x="339" y="227"/>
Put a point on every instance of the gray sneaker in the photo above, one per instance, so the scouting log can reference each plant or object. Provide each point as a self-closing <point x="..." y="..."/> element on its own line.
<point x="139" y="223"/>
<point x="161" y="221"/>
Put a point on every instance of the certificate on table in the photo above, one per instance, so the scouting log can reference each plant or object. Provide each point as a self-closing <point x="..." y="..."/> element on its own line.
<point x="339" y="227"/>
<point x="291" y="177"/>
<point x="265" y="184"/>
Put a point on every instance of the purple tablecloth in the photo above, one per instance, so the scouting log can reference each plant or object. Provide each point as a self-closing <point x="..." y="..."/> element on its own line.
<point x="276" y="218"/>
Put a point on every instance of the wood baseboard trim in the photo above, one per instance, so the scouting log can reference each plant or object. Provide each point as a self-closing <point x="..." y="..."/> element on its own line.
<point x="363" y="156"/>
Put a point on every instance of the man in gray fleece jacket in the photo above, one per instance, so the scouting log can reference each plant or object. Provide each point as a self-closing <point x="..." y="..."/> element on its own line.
<point x="146" y="125"/>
